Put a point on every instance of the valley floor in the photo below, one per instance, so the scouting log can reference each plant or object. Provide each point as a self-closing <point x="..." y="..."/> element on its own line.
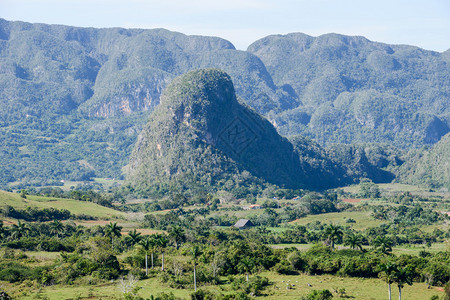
<point x="355" y="288"/>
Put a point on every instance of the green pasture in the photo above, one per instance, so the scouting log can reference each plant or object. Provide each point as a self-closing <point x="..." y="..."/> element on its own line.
<point x="74" y="206"/>
<point x="363" y="219"/>
<point x="355" y="288"/>
<point x="299" y="285"/>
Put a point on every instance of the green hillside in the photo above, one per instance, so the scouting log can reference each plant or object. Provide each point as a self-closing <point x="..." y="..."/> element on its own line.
<point x="430" y="167"/>
<point x="355" y="90"/>
<point x="82" y="94"/>
<point x="75" y="207"/>
<point x="200" y="134"/>
<point x="75" y="99"/>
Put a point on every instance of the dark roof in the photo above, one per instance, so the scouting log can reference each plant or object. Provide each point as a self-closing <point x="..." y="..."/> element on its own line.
<point x="243" y="223"/>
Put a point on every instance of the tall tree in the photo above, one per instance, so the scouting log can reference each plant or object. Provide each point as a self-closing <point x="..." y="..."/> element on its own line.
<point x="19" y="230"/>
<point x="383" y="244"/>
<point x="354" y="241"/>
<point x="195" y="252"/>
<point x="403" y="276"/>
<point x="333" y="234"/>
<point x="176" y="234"/>
<point x="388" y="273"/>
<point x="135" y="237"/>
<point x="246" y="265"/>
<point x="112" y="230"/>
<point x="56" y="227"/>
<point x="161" y="242"/>
<point x="148" y="243"/>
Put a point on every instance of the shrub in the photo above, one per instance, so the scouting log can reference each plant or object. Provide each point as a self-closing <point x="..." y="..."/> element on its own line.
<point x="284" y="267"/>
<point x="4" y="295"/>
<point x="166" y="296"/>
<point x="319" y="295"/>
<point x="202" y="295"/>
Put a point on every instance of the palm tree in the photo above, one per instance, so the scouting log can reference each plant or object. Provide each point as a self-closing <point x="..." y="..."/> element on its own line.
<point x="388" y="272"/>
<point x="135" y="237"/>
<point x="161" y="242"/>
<point x="176" y="233"/>
<point x="354" y="241"/>
<point x="147" y="243"/>
<point x="19" y="230"/>
<point x="246" y="265"/>
<point x="383" y="244"/>
<point x="113" y="230"/>
<point x="195" y="252"/>
<point x="402" y="276"/>
<point x="56" y="227"/>
<point x="333" y="234"/>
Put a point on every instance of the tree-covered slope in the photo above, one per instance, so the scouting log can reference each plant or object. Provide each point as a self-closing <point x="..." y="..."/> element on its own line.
<point x="201" y="134"/>
<point x="355" y="90"/>
<point x="430" y="167"/>
<point x="73" y="98"/>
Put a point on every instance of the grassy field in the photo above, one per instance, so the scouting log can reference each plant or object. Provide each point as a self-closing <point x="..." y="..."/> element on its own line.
<point x="105" y="182"/>
<point x="362" y="218"/>
<point x="355" y="288"/>
<point x="74" y="206"/>
<point x="390" y="188"/>
<point x="415" y="249"/>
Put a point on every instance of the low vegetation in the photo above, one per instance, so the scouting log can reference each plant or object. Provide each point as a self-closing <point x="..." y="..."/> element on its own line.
<point x="268" y="260"/>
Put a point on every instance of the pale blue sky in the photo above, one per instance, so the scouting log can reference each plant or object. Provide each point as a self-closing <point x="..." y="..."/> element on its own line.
<point x="424" y="23"/>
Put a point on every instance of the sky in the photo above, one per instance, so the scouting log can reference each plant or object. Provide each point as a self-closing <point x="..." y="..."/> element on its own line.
<point x="424" y="23"/>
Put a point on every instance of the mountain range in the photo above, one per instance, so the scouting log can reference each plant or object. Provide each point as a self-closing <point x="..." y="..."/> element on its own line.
<point x="74" y="99"/>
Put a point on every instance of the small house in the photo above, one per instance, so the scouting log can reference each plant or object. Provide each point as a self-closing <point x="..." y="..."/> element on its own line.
<point x="255" y="206"/>
<point x="243" y="223"/>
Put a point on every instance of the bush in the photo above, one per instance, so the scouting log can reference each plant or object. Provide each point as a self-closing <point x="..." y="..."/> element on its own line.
<point x="447" y="291"/>
<point x="136" y="260"/>
<point x="202" y="295"/>
<point x="166" y="296"/>
<point x="52" y="245"/>
<point x="24" y="243"/>
<point x="4" y="295"/>
<point x="15" y="272"/>
<point x="254" y="286"/>
<point x="285" y="268"/>
<point x="319" y="295"/>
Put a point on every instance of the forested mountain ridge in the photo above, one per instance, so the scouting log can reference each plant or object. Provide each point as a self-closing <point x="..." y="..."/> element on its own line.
<point x="355" y="90"/>
<point x="201" y="135"/>
<point x="430" y="166"/>
<point x="74" y="99"/>
<point x="109" y="72"/>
